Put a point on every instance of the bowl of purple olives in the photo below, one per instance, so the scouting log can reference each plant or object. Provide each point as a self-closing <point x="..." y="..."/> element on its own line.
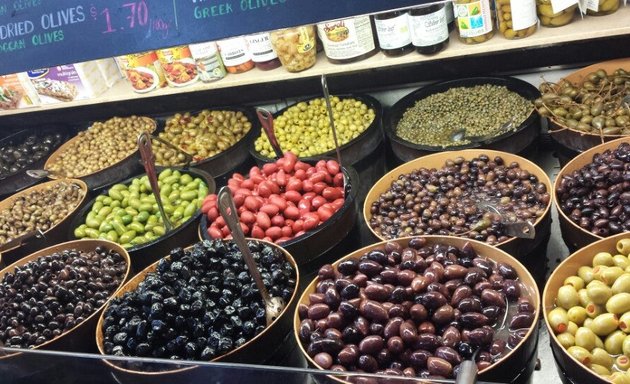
<point x="198" y="304"/>
<point x="419" y="307"/>
<point x="592" y="194"/>
<point x="476" y="194"/>
<point x="52" y="299"/>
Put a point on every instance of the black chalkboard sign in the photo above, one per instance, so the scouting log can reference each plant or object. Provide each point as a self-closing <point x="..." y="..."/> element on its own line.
<point x="44" y="33"/>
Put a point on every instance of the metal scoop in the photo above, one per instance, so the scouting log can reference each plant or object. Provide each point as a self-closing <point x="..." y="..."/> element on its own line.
<point x="273" y="305"/>
<point x="332" y="124"/>
<point x="148" y="159"/>
<point x="520" y="229"/>
<point x="266" y="120"/>
<point x="20" y="240"/>
<point x="460" y="134"/>
<point x="42" y="173"/>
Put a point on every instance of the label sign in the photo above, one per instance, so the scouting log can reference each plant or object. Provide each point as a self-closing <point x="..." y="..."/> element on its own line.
<point x="44" y="33"/>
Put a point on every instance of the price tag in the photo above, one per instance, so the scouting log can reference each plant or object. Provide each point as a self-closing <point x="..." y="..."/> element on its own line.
<point x="560" y="5"/>
<point x="592" y="5"/>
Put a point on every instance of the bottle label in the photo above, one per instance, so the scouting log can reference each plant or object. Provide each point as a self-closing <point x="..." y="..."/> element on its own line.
<point x="558" y="6"/>
<point x="346" y="39"/>
<point x="592" y="5"/>
<point x="234" y="51"/>
<point x="260" y="47"/>
<point x="523" y="14"/>
<point x="393" y="33"/>
<point x="431" y="29"/>
<point x="474" y="19"/>
<point x="208" y="61"/>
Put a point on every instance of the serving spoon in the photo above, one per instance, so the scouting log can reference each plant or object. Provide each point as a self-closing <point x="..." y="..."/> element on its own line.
<point x="273" y="305"/>
<point x="332" y="125"/>
<point x="460" y="134"/>
<point x="266" y="121"/>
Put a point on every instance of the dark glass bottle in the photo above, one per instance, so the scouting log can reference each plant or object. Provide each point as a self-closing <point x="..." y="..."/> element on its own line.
<point x="392" y="30"/>
<point x="429" y="28"/>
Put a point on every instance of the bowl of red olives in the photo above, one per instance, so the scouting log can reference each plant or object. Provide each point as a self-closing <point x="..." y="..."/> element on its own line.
<point x="477" y="193"/>
<point x="592" y="194"/>
<point x="198" y="304"/>
<point x="586" y="304"/>
<point x="419" y="307"/>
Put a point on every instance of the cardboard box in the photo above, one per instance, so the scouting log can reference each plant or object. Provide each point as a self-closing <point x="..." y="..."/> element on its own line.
<point x="65" y="83"/>
<point x="17" y="92"/>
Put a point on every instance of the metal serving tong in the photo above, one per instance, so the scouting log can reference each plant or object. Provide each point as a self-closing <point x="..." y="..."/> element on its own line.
<point x="187" y="156"/>
<point x="460" y="134"/>
<point x="266" y="121"/>
<point x="148" y="160"/>
<point x="332" y="125"/>
<point x="20" y="240"/>
<point x="520" y="229"/>
<point x="273" y="305"/>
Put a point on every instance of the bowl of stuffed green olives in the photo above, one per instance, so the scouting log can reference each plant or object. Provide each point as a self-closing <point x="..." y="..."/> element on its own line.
<point x="587" y="312"/>
<point x="127" y="214"/>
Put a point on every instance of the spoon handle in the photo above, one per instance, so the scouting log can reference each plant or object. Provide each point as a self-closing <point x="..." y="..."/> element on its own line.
<point x="266" y="120"/>
<point x="144" y="144"/>
<point x="331" y="117"/>
<point x="228" y="211"/>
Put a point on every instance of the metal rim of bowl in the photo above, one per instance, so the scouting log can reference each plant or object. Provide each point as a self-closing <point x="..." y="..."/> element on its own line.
<point x="566" y="263"/>
<point x="409" y="100"/>
<point x="565" y="170"/>
<point x="466" y="154"/>
<point x="67" y="144"/>
<point x="349" y="199"/>
<point x="368" y="100"/>
<point x="73" y="245"/>
<point x="81" y="215"/>
<point x="247" y="111"/>
<point x="532" y="289"/>
<point x="151" y="268"/>
<point x="39" y="186"/>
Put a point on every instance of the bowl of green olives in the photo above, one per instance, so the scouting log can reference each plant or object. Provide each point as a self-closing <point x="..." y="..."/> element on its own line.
<point x="304" y="129"/>
<point x="490" y="112"/>
<point x="217" y="139"/>
<point x="586" y="304"/>
<point x="587" y="107"/>
<point x="127" y="214"/>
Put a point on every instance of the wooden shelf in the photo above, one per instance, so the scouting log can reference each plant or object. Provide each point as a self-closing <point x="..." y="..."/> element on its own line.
<point x="615" y="25"/>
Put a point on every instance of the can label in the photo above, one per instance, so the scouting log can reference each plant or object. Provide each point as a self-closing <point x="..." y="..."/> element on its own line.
<point x="208" y="60"/>
<point x="523" y="14"/>
<point x="346" y="39"/>
<point x="234" y="51"/>
<point x="143" y="71"/>
<point x="474" y="19"/>
<point x="260" y="47"/>
<point x="178" y="65"/>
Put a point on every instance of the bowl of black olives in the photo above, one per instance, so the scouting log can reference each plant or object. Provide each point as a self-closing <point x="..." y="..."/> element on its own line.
<point x="24" y="150"/>
<point x="198" y="304"/>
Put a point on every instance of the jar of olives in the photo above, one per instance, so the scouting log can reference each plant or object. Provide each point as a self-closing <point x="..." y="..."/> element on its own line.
<point x="517" y="18"/>
<point x="392" y="30"/>
<point x="552" y="17"/>
<point x="475" y="20"/>
<point x="295" y="47"/>
<point x="429" y="28"/>
<point x="601" y="7"/>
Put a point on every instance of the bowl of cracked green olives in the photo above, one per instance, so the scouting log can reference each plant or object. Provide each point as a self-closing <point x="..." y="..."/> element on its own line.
<point x="216" y="139"/>
<point x="488" y="112"/>
<point x="587" y="312"/>
<point x="127" y="214"/>
<point x="587" y="107"/>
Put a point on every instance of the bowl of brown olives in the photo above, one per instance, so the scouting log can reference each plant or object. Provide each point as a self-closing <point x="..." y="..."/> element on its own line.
<point x="586" y="304"/>
<point x="589" y="106"/>
<point x="198" y="304"/>
<point x="592" y="194"/>
<point x="478" y="194"/>
<point x="419" y="307"/>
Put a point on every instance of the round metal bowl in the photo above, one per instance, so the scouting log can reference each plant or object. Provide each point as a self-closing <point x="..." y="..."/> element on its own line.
<point x="361" y="152"/>
<point x="54" y="235"/>
<point x="225" y="162"/>
<point x="258" y="350"/>
<point x="515" y="141"/>
<point x="573" y="139"/>
<point x="574" y="236"/>
<point x="145" y="254"/>
<point x="124" y="168"/>
<point x="504" y="371"/>
<point x="15" y="366"/>
<point x="569" y="267"/>
<point x="316" y="242"/>
<point x="20" y="180"/>
<point x="517" y="247"/>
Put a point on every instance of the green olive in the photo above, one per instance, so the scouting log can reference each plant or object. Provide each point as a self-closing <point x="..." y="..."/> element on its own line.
<point x="574" y="281"/>
<point x="619" y="378"/>
<point x="567" y="297"/>
<point x="610" y="274"/>
<point x="558" y="319"/>
<point x="619" y="303"/>
<point x="577" y="314"/>
<point x="601" y="357"/>
<point x="566" y="340"/>
<point x="622" y="284"/>
<point x="614" y="342"/>
<point x="585" y="338"/>
<point x="598" y="292"/>
<point x="622" y="362"/>
<point x="621" y="261"/>
<point x="585" y="273"/>
<point x="604" y="324"/>
<point x="623" y="246"/>
<point x="603" y="258"/>
<point x="580" y="354"/>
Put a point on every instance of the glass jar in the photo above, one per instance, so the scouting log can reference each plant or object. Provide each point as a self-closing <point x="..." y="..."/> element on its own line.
<point x="517" y="18"/>
<point x="429" y="28"/>
<point x="235" y="55"/>
<point x="475" y="20"/>
<point x="348" y="40"/>
<point x="550" y="19"/>
<point x="262" y="52"/>
<point x="450" y="14"/>
<point x="296" y="47"/>
<point x="208" y="61"/>
<point x="602" y="7"/>
<point x="392" y="30"/>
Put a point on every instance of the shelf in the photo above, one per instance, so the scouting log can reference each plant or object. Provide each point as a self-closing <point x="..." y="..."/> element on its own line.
<point x="579" y="30"/>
